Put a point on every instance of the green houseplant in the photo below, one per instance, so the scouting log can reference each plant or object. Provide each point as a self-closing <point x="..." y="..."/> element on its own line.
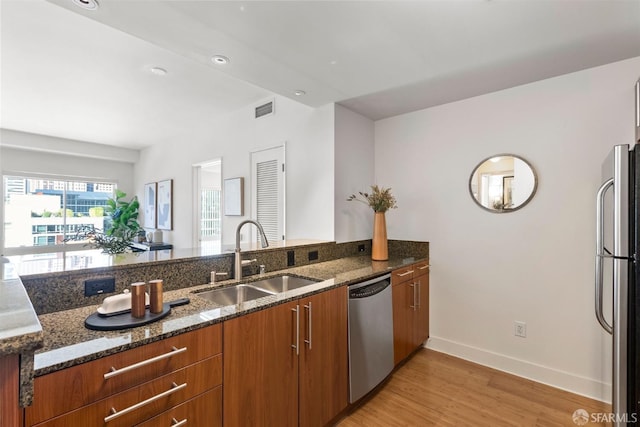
<point x="122" y="226"/>
<point x="124" y="217"/>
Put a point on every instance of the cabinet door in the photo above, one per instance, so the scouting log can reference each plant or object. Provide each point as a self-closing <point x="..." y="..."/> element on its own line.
<point x="10" y="411"/>
<point x="68" y="389"/>
<point x="422" y="313"/>
<point x="145" y="401"/>
<point x="403" y="320"/>
<point x="324" y="360"/>
<point x="261" y="368"/>
<point x="204" y="410"/>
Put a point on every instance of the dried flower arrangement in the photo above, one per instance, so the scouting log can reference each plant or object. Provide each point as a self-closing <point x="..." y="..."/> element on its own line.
<point x="380" y="199"/>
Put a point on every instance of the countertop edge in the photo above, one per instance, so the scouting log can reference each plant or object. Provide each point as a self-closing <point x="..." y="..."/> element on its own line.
<point x="197" y="318"/>
<point x="21" y="331"/>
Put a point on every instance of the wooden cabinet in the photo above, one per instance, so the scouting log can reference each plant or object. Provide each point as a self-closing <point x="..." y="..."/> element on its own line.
<point x="410" y="293"/>
<point x="261" y="368"/>
<point x="130" y="387"/>
<point x="204" y="410"/>
<point x="324" y="363"/>
<point x="403" y="294"/>
<point x="287" y="365"/>
<point x="421" y="280"/>
<point x="10" y="411"/>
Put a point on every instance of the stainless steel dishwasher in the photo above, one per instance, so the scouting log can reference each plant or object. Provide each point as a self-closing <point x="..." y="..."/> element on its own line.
<point x="370" y="335"/>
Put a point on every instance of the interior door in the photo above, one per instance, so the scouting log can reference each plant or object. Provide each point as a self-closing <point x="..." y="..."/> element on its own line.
<point x="268" y="192"/>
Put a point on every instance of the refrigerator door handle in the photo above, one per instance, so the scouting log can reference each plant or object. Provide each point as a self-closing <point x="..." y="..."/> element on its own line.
<point x="600" y="254"/>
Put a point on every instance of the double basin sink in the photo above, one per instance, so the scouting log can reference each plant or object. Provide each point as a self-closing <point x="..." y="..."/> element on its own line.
<point x="246" y="292"/>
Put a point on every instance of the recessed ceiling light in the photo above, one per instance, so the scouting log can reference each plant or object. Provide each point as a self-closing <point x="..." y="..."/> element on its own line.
<point x="300" y="92"/>
<point x="87" y="4"/>
<point x="158" y="71"/>
<point x="219" y="59"/>
<point x="495" y="159"/>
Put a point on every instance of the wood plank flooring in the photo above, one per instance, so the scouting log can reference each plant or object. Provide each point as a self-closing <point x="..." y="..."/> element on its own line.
<point x="435" y="389"/>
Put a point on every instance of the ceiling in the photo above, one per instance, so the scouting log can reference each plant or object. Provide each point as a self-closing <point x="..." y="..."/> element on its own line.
<point x="84" y="75"/>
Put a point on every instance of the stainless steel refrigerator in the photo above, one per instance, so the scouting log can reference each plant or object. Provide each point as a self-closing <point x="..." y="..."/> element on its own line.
<point x="618" y="257"/>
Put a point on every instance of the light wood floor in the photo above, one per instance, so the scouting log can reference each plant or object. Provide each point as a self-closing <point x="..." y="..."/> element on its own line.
<point x="434" y="389"/>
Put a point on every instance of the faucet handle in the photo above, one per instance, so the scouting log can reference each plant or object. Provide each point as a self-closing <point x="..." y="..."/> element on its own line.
<point x="249" y="261"/>
<point x="214" y="274"/>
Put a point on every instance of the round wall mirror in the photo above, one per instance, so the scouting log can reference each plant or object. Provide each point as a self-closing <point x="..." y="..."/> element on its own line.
<point x="503" y="183"/>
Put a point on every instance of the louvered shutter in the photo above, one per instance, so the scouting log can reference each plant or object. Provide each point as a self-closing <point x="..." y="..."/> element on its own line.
<point x="267" y="198"/>
<point x="268" y="193"/>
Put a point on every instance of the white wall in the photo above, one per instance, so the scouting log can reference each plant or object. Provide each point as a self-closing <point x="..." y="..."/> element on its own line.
<point x="354" y="171"/>
<point x="27" y="161"/>
<point x="25" y="153"/>
<point x="308" y="134"/>
<point x="533" y="265"/>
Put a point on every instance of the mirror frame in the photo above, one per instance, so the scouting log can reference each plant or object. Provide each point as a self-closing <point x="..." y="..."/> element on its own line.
<point x="523" y="204"/>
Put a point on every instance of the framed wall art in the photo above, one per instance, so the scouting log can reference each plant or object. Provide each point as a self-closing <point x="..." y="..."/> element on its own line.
<point x="234" y="196"/>
<point x="150" y="205"/>
<point x="165" y="205"/>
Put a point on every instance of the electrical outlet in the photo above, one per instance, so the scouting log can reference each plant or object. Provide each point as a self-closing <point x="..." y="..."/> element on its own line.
<point x="291" y="260"/>
<point x="520" y="329"/>
<point x="313" y="255"/>
<point x="99" y="286"/>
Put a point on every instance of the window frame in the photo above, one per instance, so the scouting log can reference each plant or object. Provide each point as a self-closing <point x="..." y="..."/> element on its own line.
<point x="37" y="249"/>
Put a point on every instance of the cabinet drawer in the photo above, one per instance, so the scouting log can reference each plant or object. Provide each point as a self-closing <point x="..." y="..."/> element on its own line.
<point x="403" y="274"/>
<point x="72" y="388"/>
<point x="420" y="269"/>
<point x="204" y="410"/>
<point x="140" y="403"/>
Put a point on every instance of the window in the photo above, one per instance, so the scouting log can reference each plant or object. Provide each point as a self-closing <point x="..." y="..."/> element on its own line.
<point x="207" y="204"/>
<point x="210" y="215"/>
<point x="39" y="214"/>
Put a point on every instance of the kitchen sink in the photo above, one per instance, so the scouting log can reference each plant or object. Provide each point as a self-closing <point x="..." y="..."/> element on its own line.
<point x="233" y="295"/>
<point x="282" y="283"/>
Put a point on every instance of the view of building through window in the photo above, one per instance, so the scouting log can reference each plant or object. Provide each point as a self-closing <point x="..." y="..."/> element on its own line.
<point x="44" y="212"/>
<point x="210" y="215"/>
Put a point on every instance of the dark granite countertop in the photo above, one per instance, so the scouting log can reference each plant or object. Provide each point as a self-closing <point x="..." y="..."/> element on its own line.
<point x="67" y="342"/>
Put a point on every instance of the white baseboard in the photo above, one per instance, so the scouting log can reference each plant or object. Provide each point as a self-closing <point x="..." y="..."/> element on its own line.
<point x="543" y="374"/>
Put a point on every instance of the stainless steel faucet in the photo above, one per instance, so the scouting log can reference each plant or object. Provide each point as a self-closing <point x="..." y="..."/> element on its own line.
<point x="263" y="239"/>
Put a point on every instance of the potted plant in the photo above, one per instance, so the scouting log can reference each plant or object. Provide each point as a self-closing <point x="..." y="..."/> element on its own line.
<point x="380" y="200"/>
<point x="124" y="217"/>
<point x="123" y="226"/>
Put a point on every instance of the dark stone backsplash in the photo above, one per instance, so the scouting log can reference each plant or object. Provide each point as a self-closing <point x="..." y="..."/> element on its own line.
<point x="65" y="290"/>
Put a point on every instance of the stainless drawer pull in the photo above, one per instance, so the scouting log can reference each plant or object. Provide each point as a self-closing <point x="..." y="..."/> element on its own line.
<point x="115" y="414"/>
<point x="297" y="344"/>
<point x="413" y="285"/>
<point x="176" y="423"/>
<point x="309" y="327"/>
<point x="115" y="372"/>
<point x="424" y="267"/>
<point x="406" y="273"/>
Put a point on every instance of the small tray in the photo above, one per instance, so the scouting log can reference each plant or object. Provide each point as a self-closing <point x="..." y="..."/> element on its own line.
<point x="125" y="320"/>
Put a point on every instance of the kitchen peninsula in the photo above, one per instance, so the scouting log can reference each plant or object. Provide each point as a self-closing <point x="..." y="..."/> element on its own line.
<point x="67" y="343"/>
